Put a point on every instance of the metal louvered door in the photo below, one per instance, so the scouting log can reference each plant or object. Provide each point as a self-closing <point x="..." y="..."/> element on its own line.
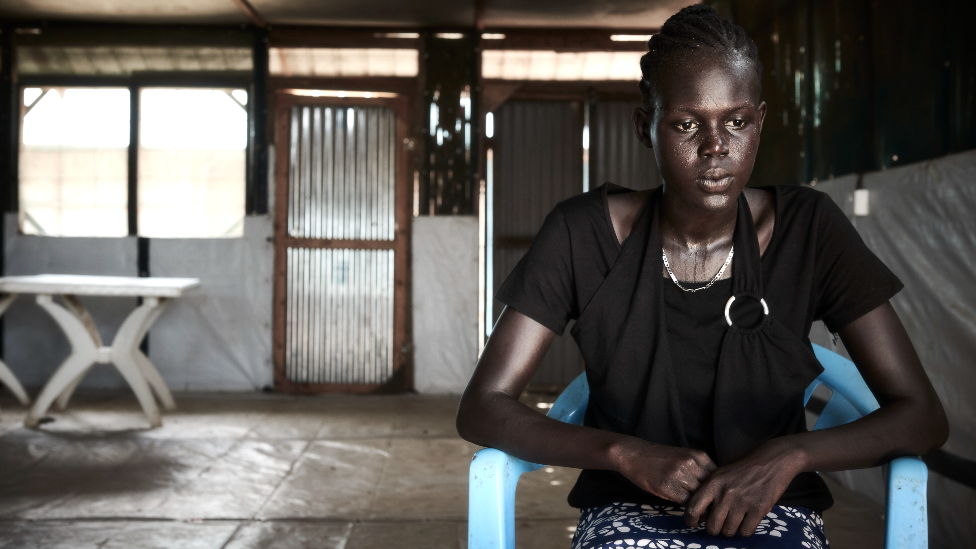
<point x="340" y="245"/>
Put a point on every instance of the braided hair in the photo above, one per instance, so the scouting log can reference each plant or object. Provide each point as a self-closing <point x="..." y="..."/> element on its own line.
<point x="693" y="28"/>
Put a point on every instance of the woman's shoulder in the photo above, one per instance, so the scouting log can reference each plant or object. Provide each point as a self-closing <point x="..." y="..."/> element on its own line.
<point x="586" y="221"/>
<point x="587" y="204"/>
<point x="799" y="204"/>
<point x="797" y="196"/>
<point x="804" y="214"/>
<point x="590" y="211"/>
<point x="623" y="208"/>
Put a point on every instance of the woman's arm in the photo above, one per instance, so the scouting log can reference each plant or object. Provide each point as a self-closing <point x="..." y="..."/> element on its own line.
<point x="491" y="415"/>
<point x="911" y="421"/>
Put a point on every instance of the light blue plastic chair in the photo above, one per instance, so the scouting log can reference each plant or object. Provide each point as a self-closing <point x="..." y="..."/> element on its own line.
<point x="494" y="474"/>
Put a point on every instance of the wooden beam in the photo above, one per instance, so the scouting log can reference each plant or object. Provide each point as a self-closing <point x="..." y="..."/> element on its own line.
<point x="74" y="33"/>
<point x="479" y="15"/>
<point x="395" y="84"/>
<point x="251" y="13"/>
<point x="566" y="40"/>
<point x="290" y="36"/>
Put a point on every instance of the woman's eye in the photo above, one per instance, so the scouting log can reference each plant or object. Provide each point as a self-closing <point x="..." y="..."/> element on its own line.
<point x="687" y="126"/>
<point x="736" y="123"/>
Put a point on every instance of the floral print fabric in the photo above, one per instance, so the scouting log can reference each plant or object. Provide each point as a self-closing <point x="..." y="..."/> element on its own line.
<point x="627" y="525"/>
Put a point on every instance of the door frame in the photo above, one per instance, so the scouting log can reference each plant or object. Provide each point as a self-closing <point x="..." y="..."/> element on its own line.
<point x="402" y="378"/>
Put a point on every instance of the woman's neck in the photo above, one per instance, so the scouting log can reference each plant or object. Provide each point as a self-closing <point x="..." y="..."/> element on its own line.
<point x="685" y="227"/>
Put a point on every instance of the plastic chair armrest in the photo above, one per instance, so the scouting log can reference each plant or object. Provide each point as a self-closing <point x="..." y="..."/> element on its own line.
<point x="906" y="524"/>
<point x="491" y="498"/>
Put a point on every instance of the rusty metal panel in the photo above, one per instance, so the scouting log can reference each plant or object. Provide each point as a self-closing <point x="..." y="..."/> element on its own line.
<point x="342" y="173"/>
<point x="339" y="316"/>
<point x="615" y="153"/>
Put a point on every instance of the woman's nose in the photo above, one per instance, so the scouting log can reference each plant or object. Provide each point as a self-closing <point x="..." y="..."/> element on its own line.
<point x="714" y="144"/>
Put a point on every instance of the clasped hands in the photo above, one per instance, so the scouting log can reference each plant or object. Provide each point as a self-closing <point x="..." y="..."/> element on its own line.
<point x="730" y="499"/>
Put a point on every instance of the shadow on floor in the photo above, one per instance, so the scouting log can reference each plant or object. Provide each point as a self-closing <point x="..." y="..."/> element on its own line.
<point x="270" y="471"/>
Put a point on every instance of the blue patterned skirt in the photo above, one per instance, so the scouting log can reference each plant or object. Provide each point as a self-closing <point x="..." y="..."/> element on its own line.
<point x="625" y="525"/>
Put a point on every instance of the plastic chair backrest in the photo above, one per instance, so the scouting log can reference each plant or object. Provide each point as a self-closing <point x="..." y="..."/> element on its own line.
<point x="494" y="475"/>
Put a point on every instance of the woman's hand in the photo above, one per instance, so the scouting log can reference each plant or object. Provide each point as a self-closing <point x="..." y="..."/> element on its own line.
<point x="740" y="494"/>
<point x="668" y="472"/>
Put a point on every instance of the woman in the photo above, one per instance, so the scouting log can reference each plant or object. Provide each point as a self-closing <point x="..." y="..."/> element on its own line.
<point x="693" y="303"/>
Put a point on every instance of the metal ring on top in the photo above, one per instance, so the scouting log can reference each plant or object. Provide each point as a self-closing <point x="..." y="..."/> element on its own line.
<point x="728" y="306"/>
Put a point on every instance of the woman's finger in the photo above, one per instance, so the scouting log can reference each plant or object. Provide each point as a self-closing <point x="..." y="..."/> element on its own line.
<point x="679" y="494"/>
<point x="709" y="465"/>
<point x="733" y="520"/>
<point x="750" y="522"/>
<point x="697" y="503"/>
<point x="705" y="462"/>
<point x="690" y="484"/>
<point x="716" y="519"/>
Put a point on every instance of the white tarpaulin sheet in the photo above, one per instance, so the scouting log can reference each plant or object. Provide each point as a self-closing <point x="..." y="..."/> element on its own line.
<point x="33" y="345"/>
<point x="922" y="223"/>
<point x="215" y="338"/>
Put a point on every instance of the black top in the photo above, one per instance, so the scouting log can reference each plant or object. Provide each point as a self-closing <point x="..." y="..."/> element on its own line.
<point x="695" y="335"/>
<point x="815" y="267"/>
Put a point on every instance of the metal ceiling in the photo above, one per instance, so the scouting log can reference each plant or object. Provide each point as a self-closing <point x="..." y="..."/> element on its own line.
<point x="392" y="13"/>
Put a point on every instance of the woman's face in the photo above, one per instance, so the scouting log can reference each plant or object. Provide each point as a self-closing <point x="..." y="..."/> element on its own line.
<point x="704" y="127"/>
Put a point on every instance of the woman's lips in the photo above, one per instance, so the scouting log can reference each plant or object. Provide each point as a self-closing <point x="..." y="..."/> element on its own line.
<point x="715" y="180"/>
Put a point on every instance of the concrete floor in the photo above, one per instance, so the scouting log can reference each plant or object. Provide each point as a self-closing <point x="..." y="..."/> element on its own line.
<point x="270" y="471"/>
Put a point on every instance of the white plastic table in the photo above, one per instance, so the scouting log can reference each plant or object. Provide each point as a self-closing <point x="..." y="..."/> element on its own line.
<point x="86" y="345"/>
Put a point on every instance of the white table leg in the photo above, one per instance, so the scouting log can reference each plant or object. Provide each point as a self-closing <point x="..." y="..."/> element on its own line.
<point x="10" y="382"/>
<point x="7" y="377"/>
<point x="129" y="345"/>
<point x="139" y="320"/>
<point x="85" y="353"/>
<point x="77" y="308"/>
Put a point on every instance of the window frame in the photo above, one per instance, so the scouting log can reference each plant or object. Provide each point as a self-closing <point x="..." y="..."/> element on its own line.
<point x="135" y="84"/>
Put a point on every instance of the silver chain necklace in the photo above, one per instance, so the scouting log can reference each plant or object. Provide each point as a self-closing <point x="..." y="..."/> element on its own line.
<point x="706" y="286"/>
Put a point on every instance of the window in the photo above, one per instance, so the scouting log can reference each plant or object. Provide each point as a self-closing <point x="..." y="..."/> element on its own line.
<point x="73" y="164"/>
<point x="192" y="145"/>
<point x="191" y="162"/>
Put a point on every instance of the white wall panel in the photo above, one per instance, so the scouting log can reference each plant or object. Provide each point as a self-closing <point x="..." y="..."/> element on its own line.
<point x="445" y="302"/>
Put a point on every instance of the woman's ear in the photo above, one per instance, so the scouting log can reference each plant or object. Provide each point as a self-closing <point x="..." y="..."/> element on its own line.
<point x="642" y="127"/>
<point x="762" y="115"/>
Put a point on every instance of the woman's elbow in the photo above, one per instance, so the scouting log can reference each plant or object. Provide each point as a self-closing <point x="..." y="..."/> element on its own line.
<point x="466" y="421"/>
<point x="931" y="426"/>
<point x="940" y="424"/>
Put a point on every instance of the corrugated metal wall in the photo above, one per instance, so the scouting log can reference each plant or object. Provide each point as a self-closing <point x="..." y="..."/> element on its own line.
<point x="538" y="162"/>
<point x="343" y="172"/>
<point x="339" y="325"/>
<point x="615" y="153"/>
<point x="339" y="317"/>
